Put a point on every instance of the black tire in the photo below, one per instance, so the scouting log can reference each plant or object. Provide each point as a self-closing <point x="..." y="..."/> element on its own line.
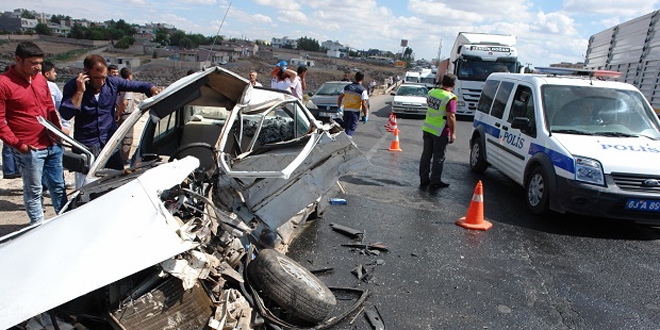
<point x="538" y="191"/>
<point x="478" y="163"/>
<point x="291" y="286"/>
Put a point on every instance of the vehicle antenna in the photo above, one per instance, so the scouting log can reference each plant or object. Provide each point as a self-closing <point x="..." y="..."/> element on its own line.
<point x="218" y="33"/>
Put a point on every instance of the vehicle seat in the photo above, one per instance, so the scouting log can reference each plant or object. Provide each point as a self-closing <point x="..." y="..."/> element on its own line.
<point x="200" y="130"/>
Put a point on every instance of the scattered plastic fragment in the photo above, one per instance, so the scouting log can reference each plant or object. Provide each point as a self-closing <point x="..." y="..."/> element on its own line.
<point x="338" y="201"/>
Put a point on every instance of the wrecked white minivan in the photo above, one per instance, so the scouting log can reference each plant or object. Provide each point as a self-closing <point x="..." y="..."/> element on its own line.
<point x="186" y="236"/>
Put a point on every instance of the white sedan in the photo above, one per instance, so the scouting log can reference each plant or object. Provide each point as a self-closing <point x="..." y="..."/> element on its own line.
<point x="410" y="99"/>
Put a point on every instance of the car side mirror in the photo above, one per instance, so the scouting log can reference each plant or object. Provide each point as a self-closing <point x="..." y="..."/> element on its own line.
<point x="76" y="162"/>
<point x="392" y="93"/>
<point x="521" y="123"/>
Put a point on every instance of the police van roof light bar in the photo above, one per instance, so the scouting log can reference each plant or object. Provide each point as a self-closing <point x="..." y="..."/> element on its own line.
<point x="578" y="72"/>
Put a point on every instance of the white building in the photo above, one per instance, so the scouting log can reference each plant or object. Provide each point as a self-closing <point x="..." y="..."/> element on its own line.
<point x="301" y="61"/>
<point x="28" y="24"/>
<point x="332" y="45"/>
<point x="284" y="42"/>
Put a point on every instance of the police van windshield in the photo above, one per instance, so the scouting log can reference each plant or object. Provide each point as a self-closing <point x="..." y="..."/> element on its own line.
<point x="478" y="70"/>
<point x="598" y="111"/>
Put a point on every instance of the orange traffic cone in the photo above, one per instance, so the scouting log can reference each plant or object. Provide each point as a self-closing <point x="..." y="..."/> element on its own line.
<point x="392" y="124"/>
<point x="475" y="214"/>
<point x="394" y="146"/>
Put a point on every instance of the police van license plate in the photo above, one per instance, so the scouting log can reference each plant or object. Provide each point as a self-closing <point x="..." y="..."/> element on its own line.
<point x="643" y="205"/>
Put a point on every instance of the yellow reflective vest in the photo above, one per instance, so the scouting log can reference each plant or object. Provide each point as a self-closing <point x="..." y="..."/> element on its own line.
<point x="436" y="114"/>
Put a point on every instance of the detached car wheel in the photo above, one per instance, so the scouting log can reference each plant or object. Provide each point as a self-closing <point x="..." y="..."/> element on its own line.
<point x="478" y="162"/>
<point x="291" y="286"/>
<point x="538" y="191"/>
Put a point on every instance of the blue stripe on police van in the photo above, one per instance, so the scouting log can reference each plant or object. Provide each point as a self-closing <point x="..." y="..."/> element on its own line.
<point x="558" y="159"/>
<point x="488" y="129"/>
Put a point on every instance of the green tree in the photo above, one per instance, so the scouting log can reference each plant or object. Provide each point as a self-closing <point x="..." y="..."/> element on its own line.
<point x="125" y="42"/>
<point x="42" y="29"/>
<point x="162" y="37"/>
<point x="78" y="31"/>
<point x="200" y="39"/>
<point x="186" y="43"/>
<point x="59" y="18"/>
<point x="309" y="44"/>
<point x="176" y="36"/>
<point x="114" y="33"/>
<point x="30" y="14"/>
<point x="408" y="53"/>
<point x="127" y="29"/>
<point x="99" y="33"/>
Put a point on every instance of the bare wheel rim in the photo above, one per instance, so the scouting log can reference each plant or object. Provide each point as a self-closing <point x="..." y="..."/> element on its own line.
<point x="536" y="189"/>
<point x="474" y="154"/>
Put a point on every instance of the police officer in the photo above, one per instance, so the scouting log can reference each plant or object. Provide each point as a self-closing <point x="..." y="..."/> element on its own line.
<point x="439" y="130"/>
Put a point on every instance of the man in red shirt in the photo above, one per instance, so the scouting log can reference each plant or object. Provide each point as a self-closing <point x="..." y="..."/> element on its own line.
<point x="24" y="95"/>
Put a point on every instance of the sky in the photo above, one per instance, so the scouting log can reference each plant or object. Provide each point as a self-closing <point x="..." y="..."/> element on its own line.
<point x="547" y="31"/>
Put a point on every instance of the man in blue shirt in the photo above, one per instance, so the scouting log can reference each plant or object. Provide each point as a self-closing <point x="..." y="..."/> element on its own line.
<point x="90" y="97"/>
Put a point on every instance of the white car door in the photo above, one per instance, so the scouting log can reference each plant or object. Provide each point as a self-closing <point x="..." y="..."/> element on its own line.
<point x="515" y="143"/>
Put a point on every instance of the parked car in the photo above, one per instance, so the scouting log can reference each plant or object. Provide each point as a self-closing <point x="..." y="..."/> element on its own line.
<point x="222" y="172"/>
<point x="410" y="99"/>
<point x="323" y="103"/>
<point x="575" y="142"/>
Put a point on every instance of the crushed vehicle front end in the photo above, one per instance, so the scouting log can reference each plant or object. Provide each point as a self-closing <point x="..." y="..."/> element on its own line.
<point x="221" y="172"/>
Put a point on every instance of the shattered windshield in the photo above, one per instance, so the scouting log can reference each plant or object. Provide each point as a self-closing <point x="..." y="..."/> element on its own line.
<point x="281" y="123"/>
<point x="598" y="111"/>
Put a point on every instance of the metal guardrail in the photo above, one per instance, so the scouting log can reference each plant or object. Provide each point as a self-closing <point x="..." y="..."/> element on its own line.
<point x="384" y="89"/>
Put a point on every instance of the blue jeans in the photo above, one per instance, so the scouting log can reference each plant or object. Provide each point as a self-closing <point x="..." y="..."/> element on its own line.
<point x="37" y="167"/>
<point x="9" y="166"/>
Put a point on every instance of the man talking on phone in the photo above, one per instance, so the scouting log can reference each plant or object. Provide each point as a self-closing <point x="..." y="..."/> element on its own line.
<point x="90" y="97"/>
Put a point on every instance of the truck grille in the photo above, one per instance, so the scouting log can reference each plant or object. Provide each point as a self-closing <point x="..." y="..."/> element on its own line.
<point x="637" y="182"/>
<point x="471" y="97"/>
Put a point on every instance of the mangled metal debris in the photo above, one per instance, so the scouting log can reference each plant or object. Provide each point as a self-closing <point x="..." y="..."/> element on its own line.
<point x="221" y="172"/>
<point x="350" y="232"/>
<point x="374" y="318"/>
<point x="363" y="274"/>
<point x="369" y="247"/>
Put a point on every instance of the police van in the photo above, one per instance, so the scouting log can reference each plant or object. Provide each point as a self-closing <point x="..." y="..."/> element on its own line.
<point x="576" y="142"/>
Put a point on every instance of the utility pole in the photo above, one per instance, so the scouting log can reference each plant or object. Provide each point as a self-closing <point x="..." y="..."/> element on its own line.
<point x="439" y="52"/>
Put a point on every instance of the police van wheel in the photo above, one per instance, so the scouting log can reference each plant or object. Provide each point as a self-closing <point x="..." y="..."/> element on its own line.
<point x="538" y="191"/>
<point x="478" y="162"/>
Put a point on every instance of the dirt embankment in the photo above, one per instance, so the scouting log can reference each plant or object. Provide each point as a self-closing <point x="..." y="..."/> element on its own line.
<point x="12" y="210"/>
<point x="325" y="69"/>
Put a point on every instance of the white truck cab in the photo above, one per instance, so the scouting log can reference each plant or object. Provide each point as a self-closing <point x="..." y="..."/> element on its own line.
<point x="575" y="142"/>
